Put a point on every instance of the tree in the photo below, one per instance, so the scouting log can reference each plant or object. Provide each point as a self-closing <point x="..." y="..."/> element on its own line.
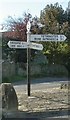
<point x="16" y="30"/>
<point x="56" y="21"/>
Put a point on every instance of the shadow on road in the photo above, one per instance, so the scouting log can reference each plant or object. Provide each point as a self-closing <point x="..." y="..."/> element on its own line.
<point x="47" y="115"/>
<point x="42" y="80"/>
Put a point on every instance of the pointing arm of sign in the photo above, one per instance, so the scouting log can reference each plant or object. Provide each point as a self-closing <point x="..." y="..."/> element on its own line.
<point x="47" y="37"/>
<point x="23" y="45"/>
<point x="36" y="46"/>
<point x="17" y="44"/>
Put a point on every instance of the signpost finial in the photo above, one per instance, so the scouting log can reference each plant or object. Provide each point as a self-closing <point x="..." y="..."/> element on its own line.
<point x="28" y="26"/>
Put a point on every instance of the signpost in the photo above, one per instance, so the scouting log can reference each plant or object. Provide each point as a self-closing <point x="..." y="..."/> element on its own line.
<point x="23" y="45"/>
<point x="48" y="37"/>
<point x="17" y="44"/>
<point x="28" y="58"/>
<point x="36" y="46"/>
<point x="30" y="45"/>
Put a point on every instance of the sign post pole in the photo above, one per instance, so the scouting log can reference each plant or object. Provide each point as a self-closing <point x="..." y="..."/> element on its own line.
<point x="28" y="58"/>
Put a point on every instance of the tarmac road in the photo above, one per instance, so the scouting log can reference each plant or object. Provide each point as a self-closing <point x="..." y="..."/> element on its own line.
<point x="36" y="85"/>
<point x="40" y="84"/>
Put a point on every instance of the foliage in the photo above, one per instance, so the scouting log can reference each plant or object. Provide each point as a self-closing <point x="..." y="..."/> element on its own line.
<point x="13" y="79"/>
<point x="16" y="30"/>
<point x="55" y="21"/>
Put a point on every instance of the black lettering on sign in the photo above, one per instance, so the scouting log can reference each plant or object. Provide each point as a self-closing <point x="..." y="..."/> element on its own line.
<point x="61" y="38"/>
<point x="37" y="38"/>
<point x="19" y="45"/>
<point x="37" y="46"/>
<point x="12" y="46"/>
<point x="15" y="42"/>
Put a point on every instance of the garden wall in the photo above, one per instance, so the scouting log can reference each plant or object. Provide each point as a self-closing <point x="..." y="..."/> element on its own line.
<point x="12" y="69"/>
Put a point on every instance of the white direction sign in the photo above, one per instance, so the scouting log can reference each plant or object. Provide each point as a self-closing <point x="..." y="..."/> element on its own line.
<point x="17" y="44"/>
<point x="47" y="37"/>
<point x="23" y="45"/>
<point x="36" y="46"/>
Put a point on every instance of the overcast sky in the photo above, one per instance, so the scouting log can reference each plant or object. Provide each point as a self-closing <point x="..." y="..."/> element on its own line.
<point x="18" y="7"/>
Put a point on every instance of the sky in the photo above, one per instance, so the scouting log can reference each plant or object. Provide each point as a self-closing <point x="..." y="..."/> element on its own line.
<point x="16" y="8"/>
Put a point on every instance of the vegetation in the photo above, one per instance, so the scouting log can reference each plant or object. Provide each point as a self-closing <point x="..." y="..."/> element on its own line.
<point x="13" y="79"/>
<point x="55" y="21"/>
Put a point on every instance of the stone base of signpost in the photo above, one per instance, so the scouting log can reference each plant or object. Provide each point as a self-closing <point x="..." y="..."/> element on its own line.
<point x="9" y="97"/>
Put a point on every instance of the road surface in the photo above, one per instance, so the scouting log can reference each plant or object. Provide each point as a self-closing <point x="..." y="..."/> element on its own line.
<point x="40" y="84"/>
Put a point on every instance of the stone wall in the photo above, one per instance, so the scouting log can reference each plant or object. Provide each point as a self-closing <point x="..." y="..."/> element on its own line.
<point x="8" y="69"/>
<point x="11" y="69"/>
